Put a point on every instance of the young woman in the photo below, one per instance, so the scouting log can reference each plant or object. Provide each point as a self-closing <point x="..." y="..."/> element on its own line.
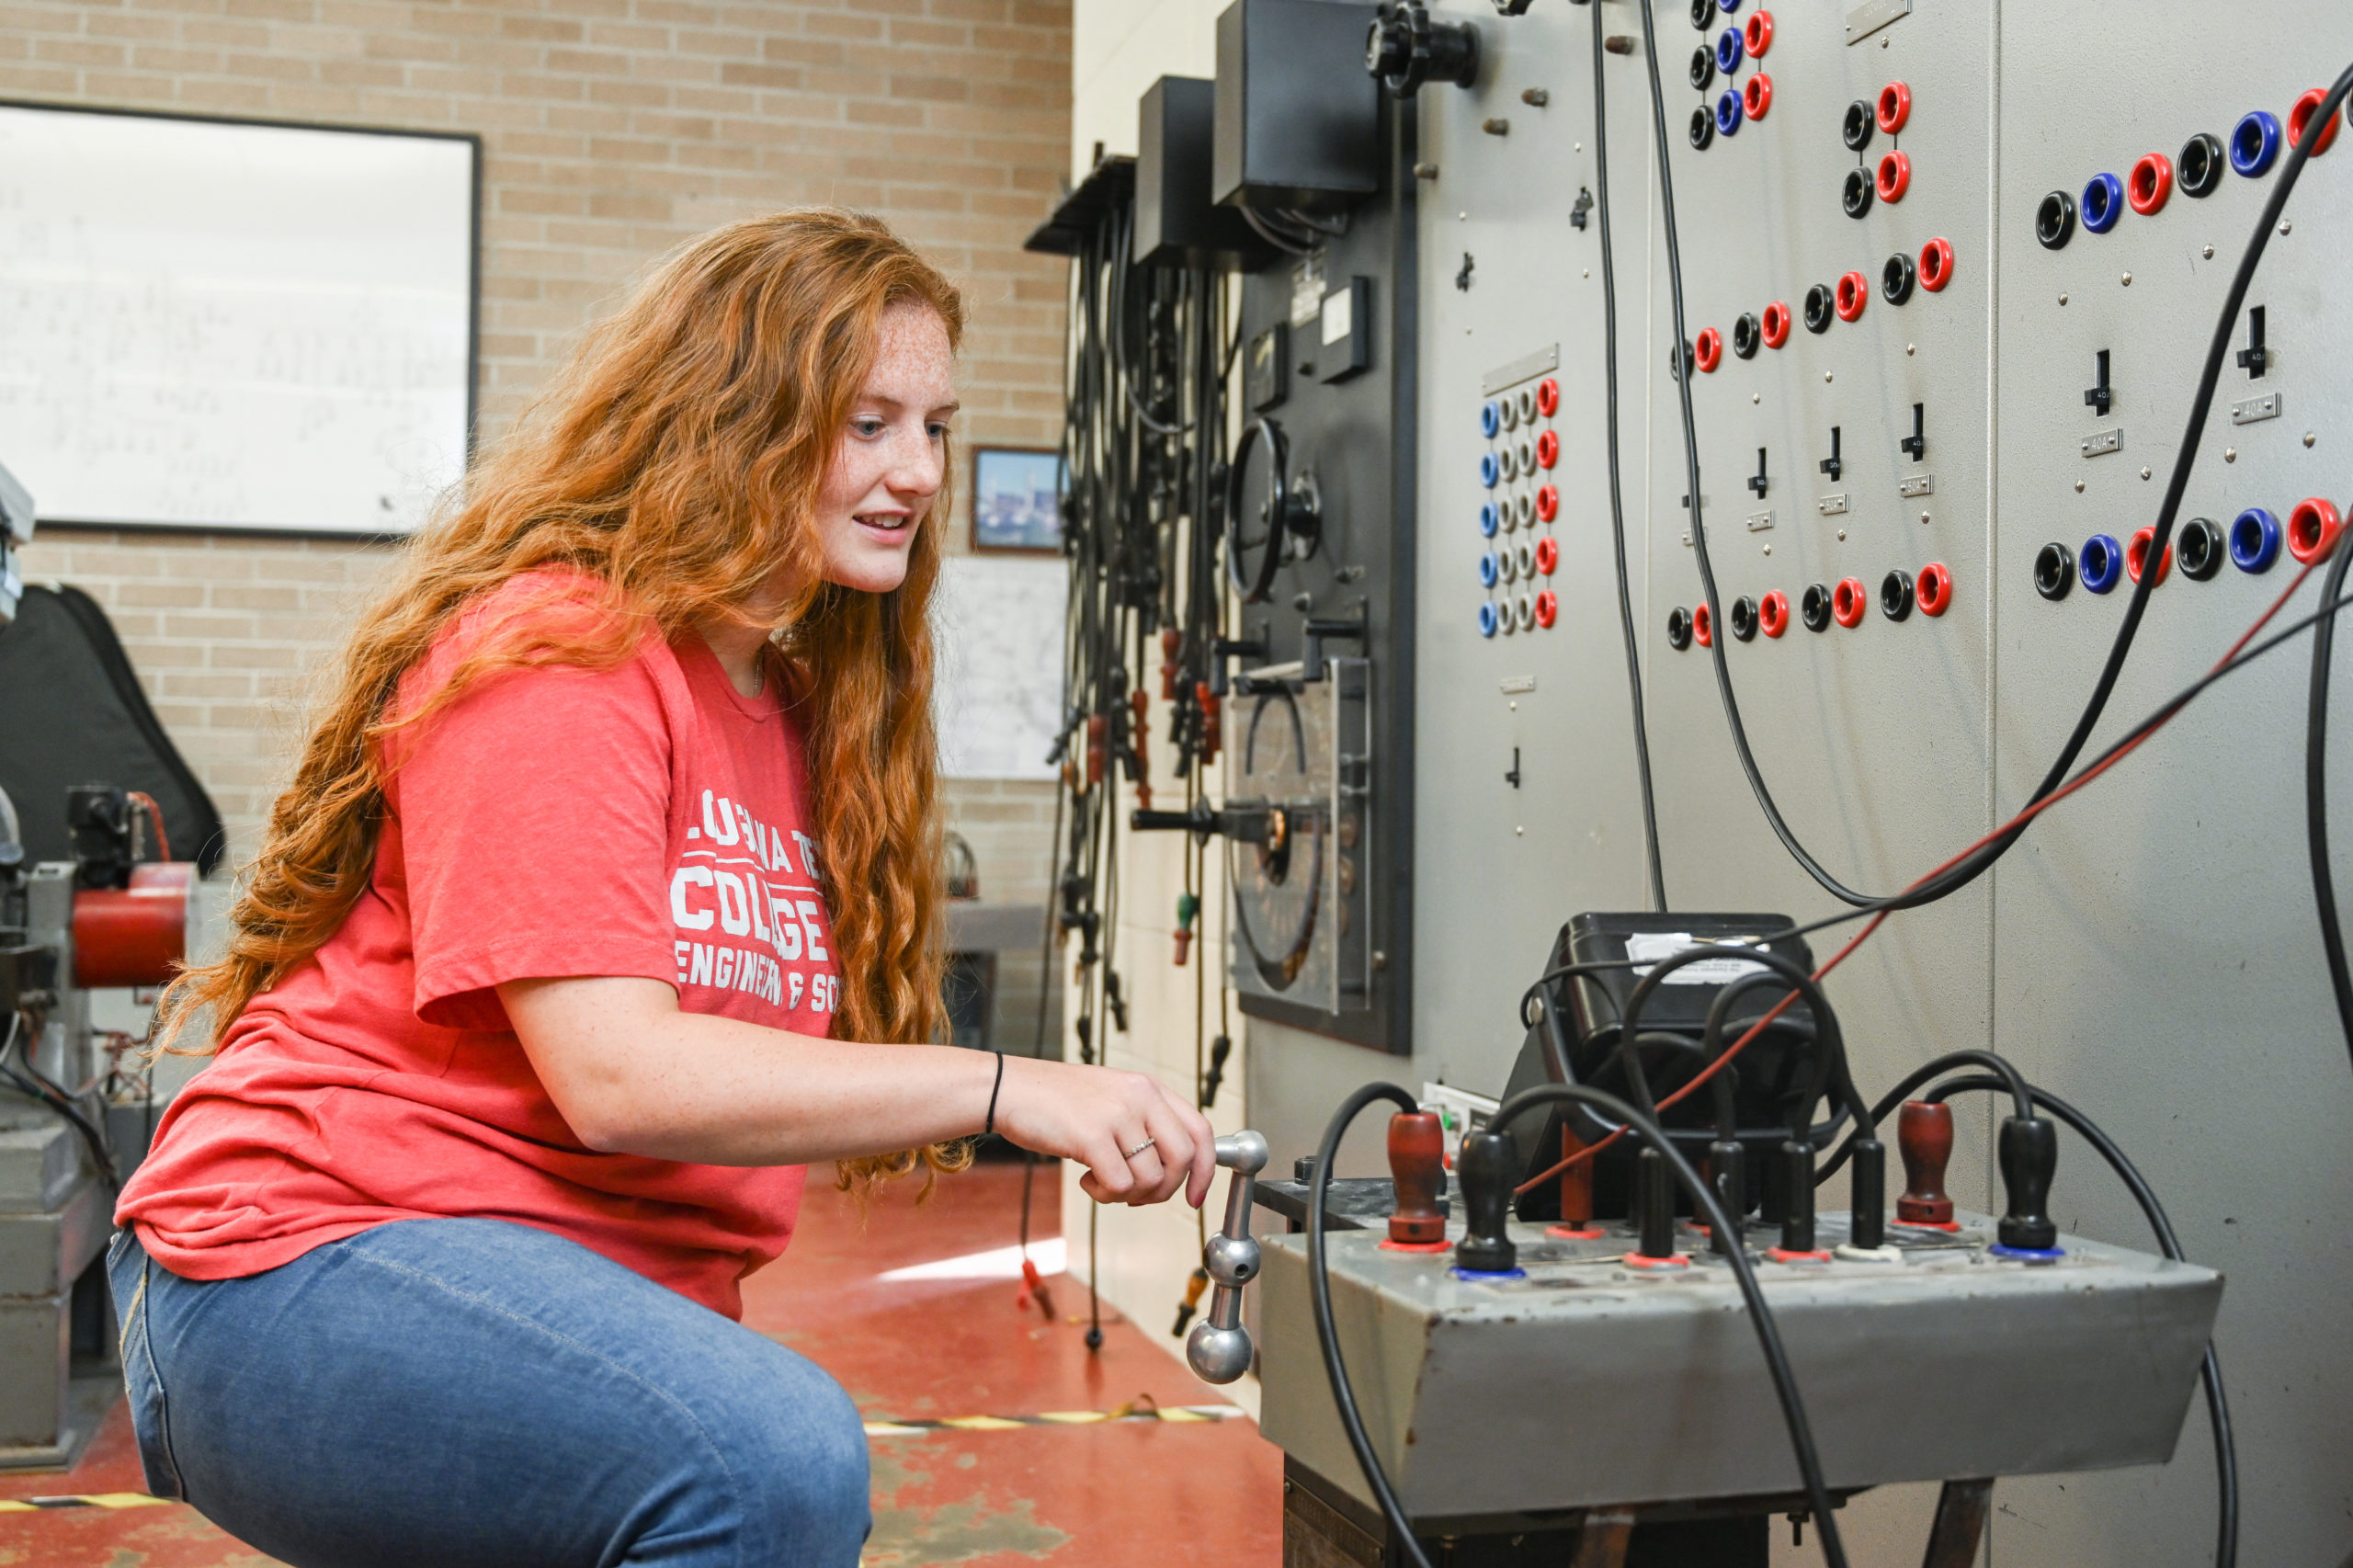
<point x="602" y="902"/>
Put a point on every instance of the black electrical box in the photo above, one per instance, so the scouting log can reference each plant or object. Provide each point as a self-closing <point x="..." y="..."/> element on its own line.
<point x="1176" y="224"/>
<point x="1344" y="331"/>
<point x="1298" y="121"/>
<point x="1266" y="371"/>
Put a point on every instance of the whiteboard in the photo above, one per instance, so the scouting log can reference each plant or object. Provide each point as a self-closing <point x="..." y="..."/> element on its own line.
<point x="998" y="681"/>
<point x="207" y="323"/>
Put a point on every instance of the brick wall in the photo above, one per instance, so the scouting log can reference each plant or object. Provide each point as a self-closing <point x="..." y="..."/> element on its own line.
<point x="611" y="129"/>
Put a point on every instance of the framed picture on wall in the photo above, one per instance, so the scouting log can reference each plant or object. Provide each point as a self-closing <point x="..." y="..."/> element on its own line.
<point x="1016" y="500"/>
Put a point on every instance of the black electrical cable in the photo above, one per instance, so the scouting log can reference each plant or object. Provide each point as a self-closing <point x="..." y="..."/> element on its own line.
<point x="1319" y="1288"/>
<point x="1781" y="829"/>
<point x="1548" y="1018"/>
<point x="1705" y="1202"/>
<point x="2218" y="349"/>
<point x="2210" y="1372"/>
<point x="2332" y="934"/>
<point x="2156" y="720"/>
<point x="1769" y="1336"/>
<point x="1830" y="1048"/>
<point x="2011" y="1079"/>
<point x="2177" y="483"/>
<point x="1617" y="497"/>
<point x="36" y="1085"/>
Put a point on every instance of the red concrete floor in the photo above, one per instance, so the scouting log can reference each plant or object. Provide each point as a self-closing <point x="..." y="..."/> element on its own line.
<point x="1070" y="1496"/>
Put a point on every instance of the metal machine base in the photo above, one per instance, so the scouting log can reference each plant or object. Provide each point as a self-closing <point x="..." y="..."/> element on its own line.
<point x="1323" y="1527"/>
<point x="88" y="1397"/>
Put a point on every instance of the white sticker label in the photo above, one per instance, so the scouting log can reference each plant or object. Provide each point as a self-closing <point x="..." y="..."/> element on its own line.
<point x="1649" y="947"/>
<point x="1306" y="289"/>
<point x="1337" y="315"/>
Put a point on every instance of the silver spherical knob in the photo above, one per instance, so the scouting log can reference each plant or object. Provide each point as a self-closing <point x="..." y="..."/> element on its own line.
<point x="1231" y="1260"/>
<point x="1218" y="1355"/>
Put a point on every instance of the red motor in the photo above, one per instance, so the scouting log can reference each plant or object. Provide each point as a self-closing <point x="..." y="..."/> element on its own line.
<point x="133" y="935"/>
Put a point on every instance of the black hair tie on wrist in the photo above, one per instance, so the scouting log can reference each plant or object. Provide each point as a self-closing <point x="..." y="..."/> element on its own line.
<point x="988" y="1129"/>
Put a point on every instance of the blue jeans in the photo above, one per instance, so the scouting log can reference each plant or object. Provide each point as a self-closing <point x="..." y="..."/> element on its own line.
<point x="472" y="1391"/>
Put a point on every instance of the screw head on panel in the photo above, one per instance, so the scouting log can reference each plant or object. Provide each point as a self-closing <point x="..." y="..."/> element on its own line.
<point x="2127" y="280"/>
<point x="2079" y="487"/>
<point x="2307" y="437"/>
<point x="2062" y="299"/>
<point x="2230" y="454"/>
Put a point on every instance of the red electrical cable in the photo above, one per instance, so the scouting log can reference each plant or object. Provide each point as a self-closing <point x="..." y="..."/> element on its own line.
<point x="155" y="815"/>
<point x="2032" y="810"/>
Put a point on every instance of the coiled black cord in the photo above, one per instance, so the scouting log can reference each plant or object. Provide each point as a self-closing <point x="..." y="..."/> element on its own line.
<point x="1617" y="498"/>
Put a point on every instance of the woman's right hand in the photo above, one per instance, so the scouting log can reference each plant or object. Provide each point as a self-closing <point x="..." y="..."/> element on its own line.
<point x="1099" y="1117"/>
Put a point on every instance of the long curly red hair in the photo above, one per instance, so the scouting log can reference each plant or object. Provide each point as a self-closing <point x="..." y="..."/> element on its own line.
<point x="677" y="460"/>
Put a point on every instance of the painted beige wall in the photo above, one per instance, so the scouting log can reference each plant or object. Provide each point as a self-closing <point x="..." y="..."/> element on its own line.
<point x="612" y="129"/>
<point x="1119" y="48"/>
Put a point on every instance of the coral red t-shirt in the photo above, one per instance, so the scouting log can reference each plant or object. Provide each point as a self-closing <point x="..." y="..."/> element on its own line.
<point x="644" y="820"/>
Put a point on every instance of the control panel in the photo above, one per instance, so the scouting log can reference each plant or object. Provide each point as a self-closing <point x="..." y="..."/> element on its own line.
<point x="1319" y="522"/>
<point x="1947" y="277"/>
<point x="1596" y="1376"/>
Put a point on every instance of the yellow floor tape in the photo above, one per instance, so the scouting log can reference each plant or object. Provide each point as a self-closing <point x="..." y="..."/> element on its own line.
<point x="82" y="1500"/>
<point x="1137" y="1411"/>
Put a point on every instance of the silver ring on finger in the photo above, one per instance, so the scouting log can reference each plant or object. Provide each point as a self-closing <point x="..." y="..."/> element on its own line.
<point x="1142" y="1147"/>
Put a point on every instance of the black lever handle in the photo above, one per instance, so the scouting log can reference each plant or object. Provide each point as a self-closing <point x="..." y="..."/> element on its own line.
<point x="1319" y="628"/>
<point x="1225" y="648"/>
<point x="1200" y="820"/>
<point x="1832" y="465"/>
<point x="2098" y="397"/>
<point x="2253" y="358"/>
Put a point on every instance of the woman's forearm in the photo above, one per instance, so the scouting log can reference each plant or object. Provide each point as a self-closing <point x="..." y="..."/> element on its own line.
<point x="632" y="1075"/>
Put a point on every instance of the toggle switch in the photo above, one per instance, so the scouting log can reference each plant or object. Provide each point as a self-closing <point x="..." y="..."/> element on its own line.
<point x="1832" y="465"/>
<point x="1867" y="1196"/>
<point x="1484" y="1167"/>
<point x="1924" y="1140"/>
<point x="1916" y="443"/>
<point x="2028" y="1153"/>
<point x="1757" y="481"/>
<point x="1727" y="1162"/>
<point x="2098" y="396"/>
<point x="2253" y="358"/>
<point x="1797" y="1204"/>
<point x="1655" y="1212"/>
<point x="1418" y="1169"/>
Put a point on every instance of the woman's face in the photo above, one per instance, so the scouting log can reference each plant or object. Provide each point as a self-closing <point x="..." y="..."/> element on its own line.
<point x="892" y="455"/>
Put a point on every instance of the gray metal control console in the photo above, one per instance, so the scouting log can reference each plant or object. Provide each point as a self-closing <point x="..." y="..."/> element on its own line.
<point x="1590" y="1381"/>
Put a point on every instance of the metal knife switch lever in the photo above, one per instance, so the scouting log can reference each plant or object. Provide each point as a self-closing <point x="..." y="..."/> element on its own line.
<point x="1219" y="1348"/>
